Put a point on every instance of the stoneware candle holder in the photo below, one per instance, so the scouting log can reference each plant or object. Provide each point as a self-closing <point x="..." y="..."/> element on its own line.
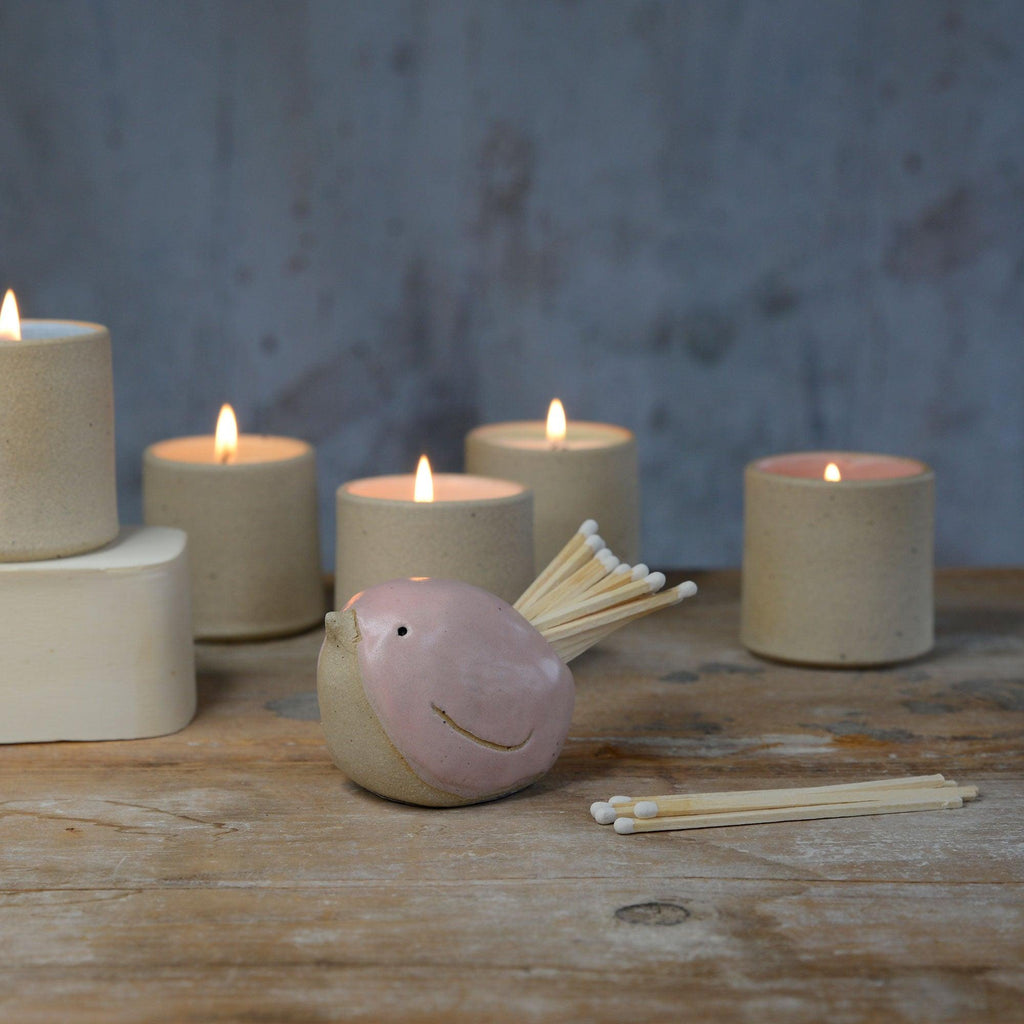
<point x="254" y="551"/>
<point x="593" y="471"/>
<point x="838" y="572"/>
<point x="476" y="529"/>
<point x="439" y="693"/>
<point x="57" y="487"/>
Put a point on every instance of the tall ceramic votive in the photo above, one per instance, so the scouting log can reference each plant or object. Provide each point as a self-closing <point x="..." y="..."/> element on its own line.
<point x="58" y="494"/>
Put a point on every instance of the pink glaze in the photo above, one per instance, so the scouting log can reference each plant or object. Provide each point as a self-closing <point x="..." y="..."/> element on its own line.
<point x="852" y="465"/>
<point x="471" y="695"/>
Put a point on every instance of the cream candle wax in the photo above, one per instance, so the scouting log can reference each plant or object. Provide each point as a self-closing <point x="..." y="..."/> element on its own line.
<point x="248" y="504"/>
<point x="57" y="472"/>
<point x="837" y="558"/>
<point x="577" y="470"/>
<point x="450" y="525"/>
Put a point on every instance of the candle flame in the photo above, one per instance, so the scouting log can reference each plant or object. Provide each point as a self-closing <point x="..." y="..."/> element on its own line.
<point x="225" y="442"/>
<point x="556" y="422"/>
<point x="832" y="473"/>
<point x="10" y="321"/>
<point x="424" y="489"/>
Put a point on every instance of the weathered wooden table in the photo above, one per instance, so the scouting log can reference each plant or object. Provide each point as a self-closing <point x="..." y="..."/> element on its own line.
<point x="229" y="872"/>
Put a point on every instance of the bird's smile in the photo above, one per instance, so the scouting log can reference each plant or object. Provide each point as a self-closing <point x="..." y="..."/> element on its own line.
<point x="448" y="720"/>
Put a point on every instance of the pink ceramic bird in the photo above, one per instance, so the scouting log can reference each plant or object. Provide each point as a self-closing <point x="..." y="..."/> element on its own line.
<point x="438" y="693"/>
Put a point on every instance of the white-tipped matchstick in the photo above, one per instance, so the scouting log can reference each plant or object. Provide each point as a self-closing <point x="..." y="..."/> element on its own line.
<point x="587" y="529"/>
<point x="893" y="803"/>
<point x="572" y="587"/>
<point x="618" y="577"/>
<point x="585" y="592"/>
<point x="572" y="638"/>
<point x="591" y="544"/>
<point x="650" y="584"/>
<point x="669" y="806"/>
<point x="677" y="803"/>
<point x="623" y="612"/>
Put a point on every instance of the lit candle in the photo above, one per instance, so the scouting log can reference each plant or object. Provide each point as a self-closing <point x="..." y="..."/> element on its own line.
<point x="58" y="493"/>
<point x="577" y="470"/>
<point x="837" y="558"/>
<point x="444" y="525"/>
<point x="248" y="504"/>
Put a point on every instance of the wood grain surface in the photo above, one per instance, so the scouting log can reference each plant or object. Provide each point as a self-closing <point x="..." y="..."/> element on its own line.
<point x="230" y="872"/>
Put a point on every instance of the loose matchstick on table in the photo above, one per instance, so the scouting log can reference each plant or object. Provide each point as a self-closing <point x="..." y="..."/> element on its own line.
<point x="750" y="807"/>
<point x="605" y="811"/>
<point x="751" y="799"/>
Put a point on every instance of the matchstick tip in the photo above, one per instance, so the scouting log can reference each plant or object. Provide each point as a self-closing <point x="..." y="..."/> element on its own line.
<point x="605" y="815"/>
<point x="655" y="581"/>
<point x="588" y="527"/>
<point x="646" y="809"/>
<point x="624" y="826"/>
<point x="613" y="800"/>
<point x="595" y="543"/>
<point x="687" y="589"/>
<point x="640" y="571"/>
<point x="607" y="559"/>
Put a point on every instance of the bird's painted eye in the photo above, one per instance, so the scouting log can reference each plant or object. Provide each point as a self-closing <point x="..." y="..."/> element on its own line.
<point x="402" y="630"/>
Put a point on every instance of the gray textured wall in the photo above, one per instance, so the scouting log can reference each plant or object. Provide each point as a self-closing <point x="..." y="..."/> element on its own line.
<point x="736" y="227"/>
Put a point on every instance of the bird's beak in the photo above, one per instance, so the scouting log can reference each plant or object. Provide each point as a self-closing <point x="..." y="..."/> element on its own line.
<point x="343" y="628"/>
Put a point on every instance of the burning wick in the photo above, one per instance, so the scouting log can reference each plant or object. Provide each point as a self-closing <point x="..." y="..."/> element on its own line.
<point x="556" y="424"/>
<point x="832" y="474"/>
<point x="10" y="322"/>
<point x="225" y="441"/>
<point x="423" y="490"/>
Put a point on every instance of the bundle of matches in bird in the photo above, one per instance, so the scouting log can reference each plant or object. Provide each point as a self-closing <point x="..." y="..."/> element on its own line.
<point x="586" y="593"/>
<point x="677" y="811"/>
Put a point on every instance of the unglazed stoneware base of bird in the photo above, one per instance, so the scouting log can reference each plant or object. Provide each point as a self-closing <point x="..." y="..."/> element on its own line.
<point x="98" y="646"/>
<point x="438" y="693"/>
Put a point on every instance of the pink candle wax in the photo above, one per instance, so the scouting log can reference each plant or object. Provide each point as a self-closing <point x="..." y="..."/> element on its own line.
<point x="837" y="558"/>
<point x="852" y="466"/>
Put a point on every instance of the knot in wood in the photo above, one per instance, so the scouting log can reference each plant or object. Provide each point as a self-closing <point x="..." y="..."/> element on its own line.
<point x="655" y="913"/>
